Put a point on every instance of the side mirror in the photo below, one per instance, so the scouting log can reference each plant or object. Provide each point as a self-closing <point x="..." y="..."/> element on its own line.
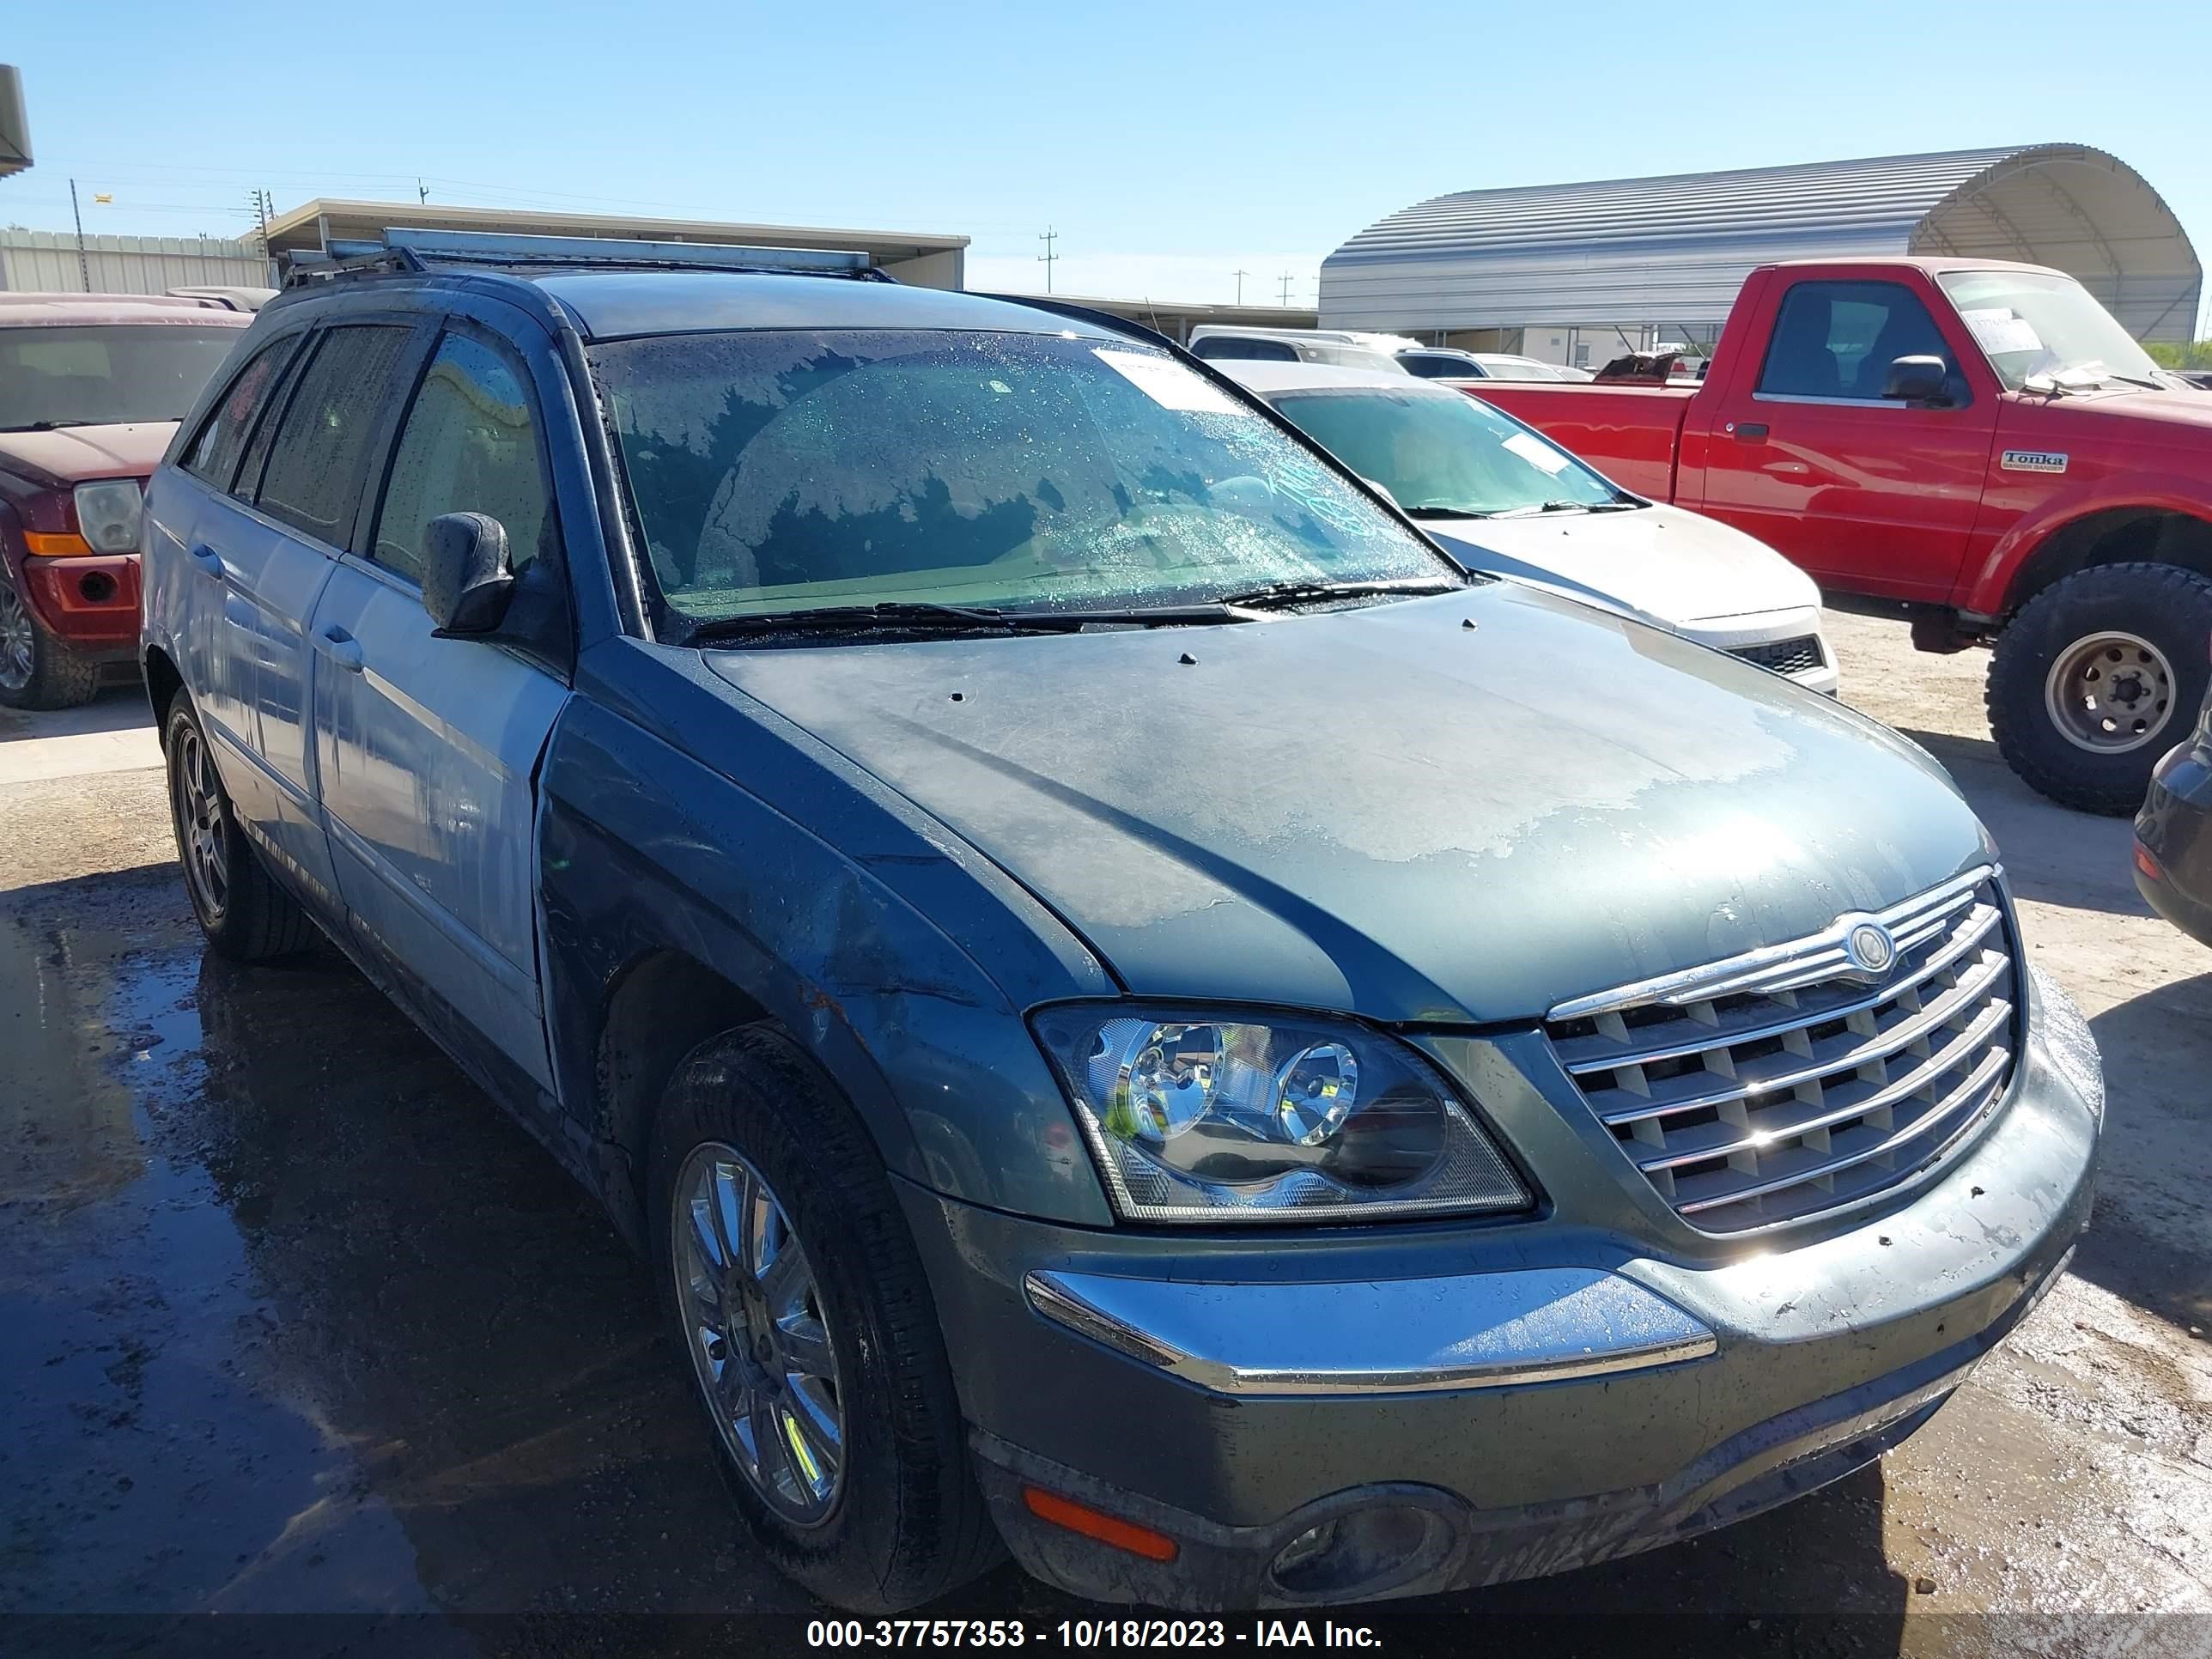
<point x="1918" y="381"/>
<point x="466" y="580"/>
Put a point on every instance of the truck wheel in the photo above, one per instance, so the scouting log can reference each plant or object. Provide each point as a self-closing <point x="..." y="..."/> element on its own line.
<point x="2097" y="676"/>
<point x="245" y="915"/>
<point x="792" y="1288"/>
<point x="37" y="670"/>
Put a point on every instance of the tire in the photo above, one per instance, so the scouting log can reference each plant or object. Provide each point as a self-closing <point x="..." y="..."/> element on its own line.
<point x="37" y="670"/>
<point x="903" y="1522"/>
<point x="245" y="915"/>
<point x="2142" y="627"/>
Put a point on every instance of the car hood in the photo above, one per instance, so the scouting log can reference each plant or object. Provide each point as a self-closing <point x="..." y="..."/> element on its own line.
<point x="1387" y="810"/>
<point x="76" y="452"/>
<point x="1675" y="565"/>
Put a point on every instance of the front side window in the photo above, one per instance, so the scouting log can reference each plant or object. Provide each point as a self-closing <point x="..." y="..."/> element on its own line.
<point x="313" y="478"/>
<point x="2031" y="325"/>
<point x="215" y="452"/>
<point x="777" y="470"/>
<point x="469" y="446"/>
<point x="1838" y="340"/>
<point x="90" y="374"/>
<point x="1443" y="453"/>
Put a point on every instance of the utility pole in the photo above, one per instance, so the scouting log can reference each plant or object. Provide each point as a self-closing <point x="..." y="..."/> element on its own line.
<point x="422" y="191"/>
<point x="1240" y="276"/>
<point x="260" y="209"/>
<point x="1286" y="290"/>
<point x="1048" y="256"/>
<point x="83" y="265"/>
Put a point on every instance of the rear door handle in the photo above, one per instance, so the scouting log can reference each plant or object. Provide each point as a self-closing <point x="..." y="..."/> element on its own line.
<point x="209" y="561"/>
<point x="1749" y="432"/>
<point x="341" y="648"/>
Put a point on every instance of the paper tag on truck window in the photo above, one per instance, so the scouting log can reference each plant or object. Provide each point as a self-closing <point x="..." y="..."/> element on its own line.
<point x="1168" y="383"/>
<point x="1536" y="452"/>
<point x="2001" y="330"/>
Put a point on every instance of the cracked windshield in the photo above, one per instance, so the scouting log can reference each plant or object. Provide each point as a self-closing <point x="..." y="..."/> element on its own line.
<point x="778" y="470"/>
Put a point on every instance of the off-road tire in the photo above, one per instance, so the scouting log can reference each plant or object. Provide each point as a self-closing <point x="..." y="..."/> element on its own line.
<point x="907" y="1523"/>
<point x="2164" y="604"/>
<point x="60" y="678"/>
<point x="257" y="921"/>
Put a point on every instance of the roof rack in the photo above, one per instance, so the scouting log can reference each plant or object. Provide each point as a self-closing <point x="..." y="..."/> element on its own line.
<point x="405" y="248"/>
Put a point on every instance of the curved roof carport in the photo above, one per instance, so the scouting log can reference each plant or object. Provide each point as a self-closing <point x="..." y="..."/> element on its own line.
<point x="1674" y="250"/>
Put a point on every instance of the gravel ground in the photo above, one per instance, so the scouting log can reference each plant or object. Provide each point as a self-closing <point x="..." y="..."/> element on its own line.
<point x="296" y="1322"/>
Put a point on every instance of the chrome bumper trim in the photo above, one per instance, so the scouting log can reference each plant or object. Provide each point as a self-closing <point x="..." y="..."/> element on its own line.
<point x="1389" y="1336"/>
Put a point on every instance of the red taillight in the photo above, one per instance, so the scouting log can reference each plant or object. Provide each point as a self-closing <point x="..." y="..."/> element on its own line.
<point x="2148" y="863"/>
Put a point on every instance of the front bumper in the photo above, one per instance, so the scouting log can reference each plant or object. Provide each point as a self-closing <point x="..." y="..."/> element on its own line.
<point x="90" y="603"/>
<point x="1515" y="1399"/>
<point x="2173" y="837"/>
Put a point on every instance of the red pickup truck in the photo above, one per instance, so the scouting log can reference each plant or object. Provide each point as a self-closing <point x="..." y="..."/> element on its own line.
<point x="1976" y="446"/>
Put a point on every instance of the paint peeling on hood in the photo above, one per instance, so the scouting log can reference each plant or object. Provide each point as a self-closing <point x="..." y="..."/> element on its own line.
<point x="1383" y="810"/>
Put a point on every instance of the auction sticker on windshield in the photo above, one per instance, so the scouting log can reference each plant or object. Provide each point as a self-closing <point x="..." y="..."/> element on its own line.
<point x="2001" y="329"/>
<point x="1169" y="384"/>
<point x="1537" y="453"/>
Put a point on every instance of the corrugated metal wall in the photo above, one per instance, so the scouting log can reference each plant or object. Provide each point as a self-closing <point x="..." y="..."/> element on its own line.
<point x="1674" y="250"/>
<point x="45" y="261"/>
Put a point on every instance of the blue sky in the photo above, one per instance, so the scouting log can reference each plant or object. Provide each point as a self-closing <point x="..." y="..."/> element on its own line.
<point x="1169" y="144"/>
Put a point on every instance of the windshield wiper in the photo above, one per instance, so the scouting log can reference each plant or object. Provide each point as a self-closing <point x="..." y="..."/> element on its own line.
<point x="52" y="426"/>
<point x="890" y="614"/>
<point x="895" y="615"/>
<point x="1308" y="592"/>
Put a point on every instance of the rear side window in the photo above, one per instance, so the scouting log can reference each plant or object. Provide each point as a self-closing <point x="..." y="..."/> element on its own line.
<point x="215" y="452"/>
<point x="470" y="444"/>
<point x="1838" y="340"/>
<point x="1265" y="351"/>
<point x="313" y="482"/>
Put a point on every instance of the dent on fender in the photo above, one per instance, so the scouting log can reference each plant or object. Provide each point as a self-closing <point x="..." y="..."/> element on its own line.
<point x="646" y="849"/>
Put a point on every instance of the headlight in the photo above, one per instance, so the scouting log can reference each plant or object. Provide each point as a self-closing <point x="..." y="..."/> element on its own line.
<point x="1204" y="1117"/>
<point x="108" y="515"/>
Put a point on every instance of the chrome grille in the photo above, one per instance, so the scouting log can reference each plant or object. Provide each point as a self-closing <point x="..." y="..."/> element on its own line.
<point x="1789" y="1081"/>
<point x="1797" y="656"/>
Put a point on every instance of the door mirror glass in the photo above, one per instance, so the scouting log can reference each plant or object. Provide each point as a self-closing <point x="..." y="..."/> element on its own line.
<point x="467" y="577"/>
<point x="1917" y="380"/>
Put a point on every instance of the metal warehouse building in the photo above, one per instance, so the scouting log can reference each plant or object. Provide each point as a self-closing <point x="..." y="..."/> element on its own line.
<point x="1550" y="267"/>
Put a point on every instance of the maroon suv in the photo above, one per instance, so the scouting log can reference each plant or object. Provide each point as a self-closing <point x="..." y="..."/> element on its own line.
<point x="92" y="386"/>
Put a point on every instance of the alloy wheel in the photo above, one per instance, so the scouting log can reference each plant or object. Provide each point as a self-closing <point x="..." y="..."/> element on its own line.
<point x="196" y="799"/>
<point x="758" y="1341"/>
<point x="19" y="646"/>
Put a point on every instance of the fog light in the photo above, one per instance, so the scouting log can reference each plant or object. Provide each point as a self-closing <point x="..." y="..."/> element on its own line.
<point x="1362" y="1553"/>
<point x="97" y="587"/>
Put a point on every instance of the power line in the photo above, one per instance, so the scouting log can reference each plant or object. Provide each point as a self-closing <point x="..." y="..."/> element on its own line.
<point x="1049" y="257"/>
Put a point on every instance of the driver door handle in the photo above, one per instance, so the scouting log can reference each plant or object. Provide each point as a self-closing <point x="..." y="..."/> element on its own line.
<point x="209" y="561"/>
<point x="340" y="647"/>
<point x="1750" y="432"/>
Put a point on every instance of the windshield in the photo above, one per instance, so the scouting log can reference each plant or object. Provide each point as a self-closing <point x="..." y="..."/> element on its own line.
<point x="82" y="374"/>
<point x="777" y="470"/>
<point x="2029" y="323"/>
<point x="1443" y="452"/>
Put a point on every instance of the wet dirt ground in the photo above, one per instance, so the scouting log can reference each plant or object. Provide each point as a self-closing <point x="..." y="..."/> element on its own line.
<point x="294" y="1322"/>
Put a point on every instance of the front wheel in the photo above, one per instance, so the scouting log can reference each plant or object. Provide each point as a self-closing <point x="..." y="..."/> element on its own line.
<point x="2097" y="676"/>
<point x="37" y="670"/>
<point x="795" y="1291"/>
